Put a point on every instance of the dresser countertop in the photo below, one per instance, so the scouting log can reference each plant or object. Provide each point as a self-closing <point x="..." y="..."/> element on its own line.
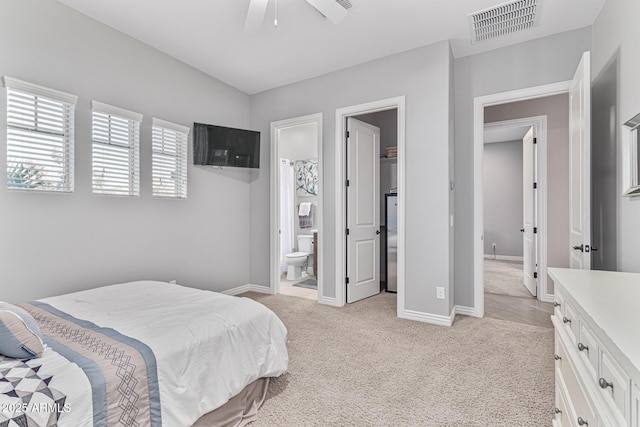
<point x="611" y="299"/>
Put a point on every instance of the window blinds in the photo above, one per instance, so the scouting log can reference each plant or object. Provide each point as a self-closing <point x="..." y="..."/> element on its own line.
<point x="169" y="159"/>
<point x="116" y="150"/>
<point x="40" y="124"/>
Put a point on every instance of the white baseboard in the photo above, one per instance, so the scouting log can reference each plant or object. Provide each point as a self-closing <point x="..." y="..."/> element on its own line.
<point x="504" y="257"/>
<point x="548" y="298"/>
<point x="328" y="301"/>
<point x="436" y="319"/>
<point x="247" y="288"/>
<point x="466" y="311"/>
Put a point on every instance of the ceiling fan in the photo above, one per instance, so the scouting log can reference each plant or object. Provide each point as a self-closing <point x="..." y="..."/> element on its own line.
<point x="332" y="9"/>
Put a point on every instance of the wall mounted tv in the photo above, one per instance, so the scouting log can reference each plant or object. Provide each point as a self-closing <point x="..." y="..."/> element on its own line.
<point x="223" y="146"/>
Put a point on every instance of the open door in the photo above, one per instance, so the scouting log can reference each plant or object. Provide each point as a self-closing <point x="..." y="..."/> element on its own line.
<point x="363" y="210"/>
<point x="529" y="229"/>
<point x="580" y="166"/>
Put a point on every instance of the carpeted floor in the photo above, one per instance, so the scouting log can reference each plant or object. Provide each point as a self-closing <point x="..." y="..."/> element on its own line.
<point x="504" y="278"/>
<point x="362" y="366"/>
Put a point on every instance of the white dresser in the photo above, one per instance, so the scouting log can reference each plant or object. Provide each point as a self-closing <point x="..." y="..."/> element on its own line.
<point x="597" y="348"/>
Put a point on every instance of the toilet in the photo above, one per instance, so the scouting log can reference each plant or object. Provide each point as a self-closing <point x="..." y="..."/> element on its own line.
<point x="297" y="260"/>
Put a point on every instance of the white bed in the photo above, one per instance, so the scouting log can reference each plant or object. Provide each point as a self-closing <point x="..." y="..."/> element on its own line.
<point x="207" y="347"/>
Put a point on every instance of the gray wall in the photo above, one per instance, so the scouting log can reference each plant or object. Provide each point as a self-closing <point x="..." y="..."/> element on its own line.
<point x="502" y="181"/>
<point x="556" y="108"/>
<point x="54" y="243"/>
<point x="605" y="125"/>
<point x="423" y="76"/>
<point x="615" y="67"/>
<point x="536" y="62"/>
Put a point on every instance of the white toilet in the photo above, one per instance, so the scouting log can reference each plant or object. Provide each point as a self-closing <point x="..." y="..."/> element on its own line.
<point x="297" y="260"/>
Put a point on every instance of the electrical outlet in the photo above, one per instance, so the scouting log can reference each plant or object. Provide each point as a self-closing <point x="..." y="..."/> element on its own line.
<point x="440" y="292"/>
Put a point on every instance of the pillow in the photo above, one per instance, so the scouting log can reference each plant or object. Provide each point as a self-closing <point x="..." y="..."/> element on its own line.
<point x="20" y="337"/>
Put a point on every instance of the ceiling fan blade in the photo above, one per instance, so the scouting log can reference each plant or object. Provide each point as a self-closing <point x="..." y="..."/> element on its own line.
<point x="255" y="15"/>
<point x="329" y="8"/>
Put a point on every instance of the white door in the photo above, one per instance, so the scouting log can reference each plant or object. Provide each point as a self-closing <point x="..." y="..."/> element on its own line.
<point x="529" y="237"/>
<point x="580" y="166"/>
<point x="363" y="210"/>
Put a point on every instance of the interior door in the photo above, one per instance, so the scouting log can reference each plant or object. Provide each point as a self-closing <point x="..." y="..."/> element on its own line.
<point x="529" y="237"/>
<point x="363" y="210"/>
<point x="580" y="166"/>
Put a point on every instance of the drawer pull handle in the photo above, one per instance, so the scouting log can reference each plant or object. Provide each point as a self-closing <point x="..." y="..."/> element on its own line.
<point x="582" y="422"/>
<point x="558" y="411"/>
<point x="582" y="347"/>
<point x="556" y="304"/>
<point x="604" y="384"/>
<point x="566" y="320"/>
<point x="555" y="356"/>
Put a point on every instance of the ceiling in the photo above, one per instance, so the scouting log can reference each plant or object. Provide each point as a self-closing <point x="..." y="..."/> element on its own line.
<point x="209" y="34"/>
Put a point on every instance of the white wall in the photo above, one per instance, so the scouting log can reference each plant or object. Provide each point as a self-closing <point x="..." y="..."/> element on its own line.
<point x="533" y="63"/>
<point x="53" y="243"/>
<point x="503" y="197"/>
<point x="300" y="143"/>
<point x="615" y="67"/>
<point x="422" y="75"/>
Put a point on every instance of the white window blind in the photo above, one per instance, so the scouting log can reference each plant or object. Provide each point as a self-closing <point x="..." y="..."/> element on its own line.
<point x="39" y="137"/>
<point x="116" y="150"/>
<point x="169" y="159"/>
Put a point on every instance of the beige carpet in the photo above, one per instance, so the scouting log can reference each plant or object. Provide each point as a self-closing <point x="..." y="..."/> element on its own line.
<point x="362" y="366"/>
<point x="504" y="278"/>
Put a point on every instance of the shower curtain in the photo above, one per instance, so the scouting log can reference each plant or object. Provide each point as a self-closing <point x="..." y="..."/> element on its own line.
<point x="287" y="207"/>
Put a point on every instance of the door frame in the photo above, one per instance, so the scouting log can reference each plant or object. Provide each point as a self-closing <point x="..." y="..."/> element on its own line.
<point x="340" y="177"/>
<point x="274" y="283"/>
<point x="479" y="103"/>
<point x="539" y="125"/>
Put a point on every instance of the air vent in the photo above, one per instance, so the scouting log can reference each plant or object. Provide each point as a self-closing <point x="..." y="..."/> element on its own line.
<point x="508" y="18"/>
<point x="344" y="3"/>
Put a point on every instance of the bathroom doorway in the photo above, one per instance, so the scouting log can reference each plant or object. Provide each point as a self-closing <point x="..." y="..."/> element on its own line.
<point x="296" y="207"/>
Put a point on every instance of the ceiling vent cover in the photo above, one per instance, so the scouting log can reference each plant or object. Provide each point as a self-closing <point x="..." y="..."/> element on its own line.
<point x="507" y="18"/>
<point x="344" y="3"/>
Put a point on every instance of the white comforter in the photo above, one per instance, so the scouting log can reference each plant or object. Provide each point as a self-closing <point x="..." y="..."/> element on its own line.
<point x="208" y="346"/>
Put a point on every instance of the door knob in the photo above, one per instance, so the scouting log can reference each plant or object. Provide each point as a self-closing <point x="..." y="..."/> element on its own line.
<point x="377" y="231"/>
<point x="522" y="230"/>
<point x="593" y="249"/>
<point x="579" y="248"/>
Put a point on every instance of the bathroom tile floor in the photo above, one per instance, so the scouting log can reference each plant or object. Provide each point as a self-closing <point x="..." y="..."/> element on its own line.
<point x="287" y="288"/>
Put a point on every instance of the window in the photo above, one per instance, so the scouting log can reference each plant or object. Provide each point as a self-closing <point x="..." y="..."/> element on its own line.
<point x="116" y="150"/>
<point x="169" y="171"/>
<point x="39" y="137"/>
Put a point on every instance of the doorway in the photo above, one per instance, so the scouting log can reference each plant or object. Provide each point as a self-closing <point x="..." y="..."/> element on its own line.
<point x="296" y="207"/>
<point x="480" y="104"/>
<point x="515" y="201"/>
<point x="344" y="263"/>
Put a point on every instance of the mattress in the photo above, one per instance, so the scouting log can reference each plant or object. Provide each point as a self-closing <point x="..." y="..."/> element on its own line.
<point x="142" y="354"/>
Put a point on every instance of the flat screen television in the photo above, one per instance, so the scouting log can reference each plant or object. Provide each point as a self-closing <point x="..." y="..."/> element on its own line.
<point x="222" y="146"/>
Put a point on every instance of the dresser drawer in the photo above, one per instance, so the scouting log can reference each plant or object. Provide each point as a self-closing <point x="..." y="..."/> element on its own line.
<point x="571" y="321"/>
<point x="576" y="396"/>
<point x="558" y="304"/>
<point x="616" y="385"/>
<point x="588" y="348"/>
<point x="563" y="413"/>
